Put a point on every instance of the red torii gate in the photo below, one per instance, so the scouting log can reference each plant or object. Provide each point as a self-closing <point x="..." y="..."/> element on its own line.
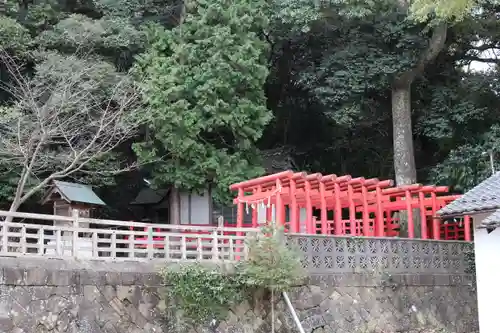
<point x="359" y="206"/>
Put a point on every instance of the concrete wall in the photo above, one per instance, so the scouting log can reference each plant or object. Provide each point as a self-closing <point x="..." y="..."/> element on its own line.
<point x="42" y="296"/>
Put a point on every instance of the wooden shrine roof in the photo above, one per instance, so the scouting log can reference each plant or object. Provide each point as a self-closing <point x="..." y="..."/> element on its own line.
<point x="73" y="192"/>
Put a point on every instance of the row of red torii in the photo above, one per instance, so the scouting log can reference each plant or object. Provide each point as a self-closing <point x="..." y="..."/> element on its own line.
<point x="343" y="205"/>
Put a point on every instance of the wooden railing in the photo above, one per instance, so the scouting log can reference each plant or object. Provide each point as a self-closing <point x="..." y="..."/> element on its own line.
<point x="77" y="237"/>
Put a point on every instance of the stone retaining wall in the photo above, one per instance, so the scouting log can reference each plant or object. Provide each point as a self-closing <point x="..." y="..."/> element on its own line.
<point x="42" y="296"/>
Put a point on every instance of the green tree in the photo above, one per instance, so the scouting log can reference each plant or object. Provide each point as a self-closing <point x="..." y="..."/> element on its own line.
<point x="430" y="20"/>
<point x="378" y="45"/>
<point x="204" y="91"/>
<point x="330" y="90"/>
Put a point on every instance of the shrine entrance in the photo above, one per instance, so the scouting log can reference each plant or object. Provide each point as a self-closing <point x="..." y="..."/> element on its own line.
<point x="344" y="205"/>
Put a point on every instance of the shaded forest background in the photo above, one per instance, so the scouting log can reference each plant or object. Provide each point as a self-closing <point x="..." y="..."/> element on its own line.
<point x="315" y="82"/>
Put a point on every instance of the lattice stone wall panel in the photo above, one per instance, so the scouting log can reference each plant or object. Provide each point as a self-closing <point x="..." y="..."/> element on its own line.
<point x="327" y="254"/>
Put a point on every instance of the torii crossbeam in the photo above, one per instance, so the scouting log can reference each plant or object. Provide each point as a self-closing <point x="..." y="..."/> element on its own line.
<point x="343" y="205"/>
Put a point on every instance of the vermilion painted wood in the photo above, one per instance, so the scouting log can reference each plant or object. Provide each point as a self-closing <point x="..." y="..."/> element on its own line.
<point x="467" y="225"/>
<point x="261" y="180"/>
<point x="423" y="217"/>
<point x="358" y="206"/>
<point x="409" y="212"/>
<point x="294" y="209"/>
<point x="309" y="212"/>
<point x="280" y="208"/>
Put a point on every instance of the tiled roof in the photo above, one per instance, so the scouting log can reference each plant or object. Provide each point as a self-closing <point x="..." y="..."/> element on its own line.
<point x="492" y="221"/>
<point x="483" y="197"/>
<point x="148" y="196"/>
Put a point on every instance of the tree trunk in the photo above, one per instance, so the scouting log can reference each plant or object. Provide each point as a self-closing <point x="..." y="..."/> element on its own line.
<point x="175" y="196"/>
<point x="175" y="206"/>
<point x="13" y="208"/>
<point x="17" y="201"/>
<point x="404" y="157"/>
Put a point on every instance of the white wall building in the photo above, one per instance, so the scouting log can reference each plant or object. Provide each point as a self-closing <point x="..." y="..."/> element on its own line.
<point x="482" y="203"/>
<point x="199" y="207"/>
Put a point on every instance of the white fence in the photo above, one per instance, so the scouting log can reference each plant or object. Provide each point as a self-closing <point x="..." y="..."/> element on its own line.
<point x="77" y="237"/>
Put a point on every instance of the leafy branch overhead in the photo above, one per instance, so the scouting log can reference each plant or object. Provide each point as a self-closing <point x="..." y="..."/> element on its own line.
<point x="71" y="114"/>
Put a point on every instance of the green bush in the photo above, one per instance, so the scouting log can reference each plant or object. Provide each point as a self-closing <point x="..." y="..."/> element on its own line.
<point x="198" y="294"/>
<point x="201" y="294"/>
<point x="271" y="264"/>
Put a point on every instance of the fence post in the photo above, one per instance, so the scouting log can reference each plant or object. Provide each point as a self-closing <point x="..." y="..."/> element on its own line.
<point x="113" y="245"/>
<point x="59" y="248"/>
<point x="199" y="247"/>
<point x="231" y="249"/>
<point x="131" y="243"/>
<point x="183" y="248"/>
<point x="23" y="239"/>
<point x="150" y="243"/>
<point x="75" y="214"/>
<point x="5" y="238"/>
<point x="246" y="249"/>
<point x="215" y="245"/>
<point x="95" y="252"/>
<point x="41" y="241"/>
<point x="166" y="247"/>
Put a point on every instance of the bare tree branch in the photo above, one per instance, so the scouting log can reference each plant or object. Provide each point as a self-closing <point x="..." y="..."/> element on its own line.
<point x="72" y="113"/>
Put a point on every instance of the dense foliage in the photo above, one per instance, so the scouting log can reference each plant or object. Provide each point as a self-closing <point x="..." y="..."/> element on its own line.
<point x="200" y="295"/>
<point x="227" y="80"/>
<point x="197" y="295"/>
<point x="340" y="72"/>
<point x="204" y="86"/>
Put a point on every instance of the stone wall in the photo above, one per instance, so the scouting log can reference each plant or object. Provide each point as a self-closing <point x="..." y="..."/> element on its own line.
<point x="42" y="296"/>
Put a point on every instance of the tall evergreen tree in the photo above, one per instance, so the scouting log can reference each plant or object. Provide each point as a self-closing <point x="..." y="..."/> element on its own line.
<point x="204" y="87"/>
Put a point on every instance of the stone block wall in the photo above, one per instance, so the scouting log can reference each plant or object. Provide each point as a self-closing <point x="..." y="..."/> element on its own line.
<point x="42" y="296"/>
<point x="401" y="303"/>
